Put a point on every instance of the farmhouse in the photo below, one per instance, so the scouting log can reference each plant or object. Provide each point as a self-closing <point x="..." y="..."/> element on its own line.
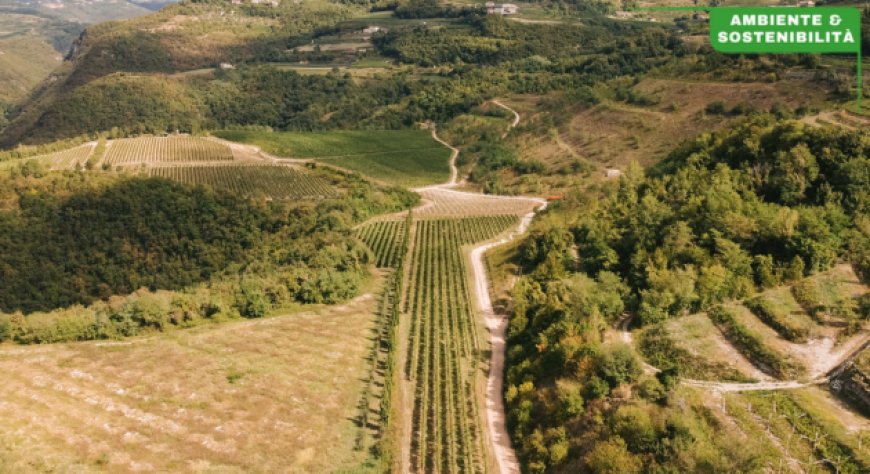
<point x="612" y="173"/>
<point x="493" y="8"/>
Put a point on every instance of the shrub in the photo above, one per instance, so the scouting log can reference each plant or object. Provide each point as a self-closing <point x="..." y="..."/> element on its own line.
<point x="806" y="293"/>
<point x="252" y="301"/>
<point x="74" y="324"/>
<point x="618" y="364"/>
<point x="773" y="316"/>
<point x="716" y="107"/>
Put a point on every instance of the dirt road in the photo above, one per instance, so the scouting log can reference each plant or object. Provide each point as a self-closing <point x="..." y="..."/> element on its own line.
<point x="516" y="117"/>
<point x="497" y="325"/>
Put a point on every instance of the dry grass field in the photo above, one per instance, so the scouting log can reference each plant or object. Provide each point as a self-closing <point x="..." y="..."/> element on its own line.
<point x="615" y="134"/>
<point x="272" y="395"/>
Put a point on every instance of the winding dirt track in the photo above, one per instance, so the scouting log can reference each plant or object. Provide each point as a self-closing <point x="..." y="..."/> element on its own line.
<point x="503" y="452"/>
<point x="516" y="117"/>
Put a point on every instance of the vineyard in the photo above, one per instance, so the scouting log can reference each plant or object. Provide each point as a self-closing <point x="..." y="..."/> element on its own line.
<point x="408" y="158"/>
<point x="69" y="159"/>
<point x="166" y="150"/>
<point x="446" y="203"/>
<point x="808" y="429"/>
<point x="387" y="241"/>
<point x="446" y="435"/>
<point x="279" y="182"/>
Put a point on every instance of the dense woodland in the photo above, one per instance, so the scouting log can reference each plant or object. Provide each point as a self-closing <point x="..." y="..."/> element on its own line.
<point x="725" y="215"/>
<point x="89" y="239"/>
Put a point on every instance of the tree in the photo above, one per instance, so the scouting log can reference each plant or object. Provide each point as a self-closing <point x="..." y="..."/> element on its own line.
<point x="612" y="457"/>
<point x="618" y="364"/>
<point x="633" y="424"/>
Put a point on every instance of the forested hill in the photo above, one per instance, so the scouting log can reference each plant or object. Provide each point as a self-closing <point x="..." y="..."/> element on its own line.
<point x="35" y="36"/>
<point x="78" y="238"/>
<point x="726" y="215"/>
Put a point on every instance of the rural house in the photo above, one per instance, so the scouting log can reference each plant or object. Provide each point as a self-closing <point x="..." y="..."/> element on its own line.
<point x="493" y="8"/>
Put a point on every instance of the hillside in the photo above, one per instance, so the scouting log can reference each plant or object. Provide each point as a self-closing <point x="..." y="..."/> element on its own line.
<point x="35" y="36"/>
<point x="716" y="227"/>
<point x="24" y="63"/>
<point x="155" y="51"/>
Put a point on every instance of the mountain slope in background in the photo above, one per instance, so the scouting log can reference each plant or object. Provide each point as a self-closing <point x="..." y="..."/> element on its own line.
<point x="36" y="34"/>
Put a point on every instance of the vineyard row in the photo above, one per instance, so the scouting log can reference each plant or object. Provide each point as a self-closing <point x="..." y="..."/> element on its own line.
<point x="279" y="182"/>
<point x="444" y="347"/>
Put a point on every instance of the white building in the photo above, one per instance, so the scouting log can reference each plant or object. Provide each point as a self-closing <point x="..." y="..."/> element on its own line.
<point x="493" y="8"/>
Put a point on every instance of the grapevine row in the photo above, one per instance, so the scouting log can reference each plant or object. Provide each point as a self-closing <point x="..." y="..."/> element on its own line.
<point x="165" y="150"/>
<point x="387" y="241"/>
<point x="384" y="355"/>
<point x="443" y="344"/>
<point x="279" y="182"/>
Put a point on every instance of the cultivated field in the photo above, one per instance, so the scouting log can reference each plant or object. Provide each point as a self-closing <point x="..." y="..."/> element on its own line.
<point x="279" y="182"/>
<point x="69" y="159"/>
<point x="274" y="395"/>
<point x="409" y="158"/>
<point x="387" y="241"/>
<point x="802" y="430"/>
<point x="443" y="350"/>
<point x="439" y="203"/>
<point x="128" y="151"/>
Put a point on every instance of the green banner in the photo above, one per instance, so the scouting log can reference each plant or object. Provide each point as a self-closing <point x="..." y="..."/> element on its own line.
<point x="785" y="30"/>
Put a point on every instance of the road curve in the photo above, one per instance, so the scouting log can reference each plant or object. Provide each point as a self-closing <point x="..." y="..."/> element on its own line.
<point x="516" y="117"/>
<point x="454" y="172"/>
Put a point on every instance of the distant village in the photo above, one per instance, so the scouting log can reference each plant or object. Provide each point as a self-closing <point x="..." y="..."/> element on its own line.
<point x="702" y="16"/>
